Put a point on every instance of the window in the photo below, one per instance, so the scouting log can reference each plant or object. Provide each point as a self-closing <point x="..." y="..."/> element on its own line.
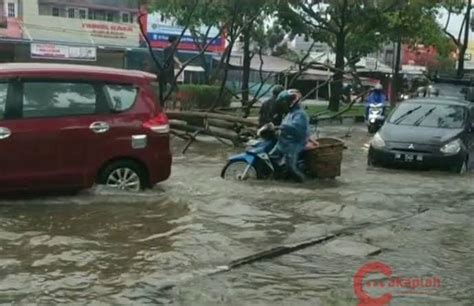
<point x="55" y="11"/>
<point x="99" y="15"/>
<point x="54" y="99"/>
<point x="110" y="16"/>
<point x="82" y="13"/>
<point x="121" y="97"/>
<point x="11" y="9"/>
<point x="71" y="13"/>
<point x="125" y="17"/>
<point x="3" y="98"/>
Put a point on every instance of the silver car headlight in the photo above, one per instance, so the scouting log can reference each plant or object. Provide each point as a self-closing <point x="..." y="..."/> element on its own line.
<point x="378" y="142"/>
<point x="453" y="147"/>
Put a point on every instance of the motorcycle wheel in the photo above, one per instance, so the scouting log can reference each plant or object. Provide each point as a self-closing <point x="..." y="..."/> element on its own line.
<point x="239" y="171"/>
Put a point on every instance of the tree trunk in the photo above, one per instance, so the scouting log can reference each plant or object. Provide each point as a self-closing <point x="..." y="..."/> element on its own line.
<point x="225" y="76"/>
<point x="462" y="52"/>
<point x="202" y="115"/>
<point x="396" y="75"/>
<point x="246" y="65"/>
<point x="337" y="83"/>
<point x="229" y="135"/>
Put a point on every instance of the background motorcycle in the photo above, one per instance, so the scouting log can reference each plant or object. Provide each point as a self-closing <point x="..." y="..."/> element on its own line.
<point x="376" y="117"/>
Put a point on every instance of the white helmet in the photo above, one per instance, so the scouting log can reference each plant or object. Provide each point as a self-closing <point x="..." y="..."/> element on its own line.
<point x="378" y="87"/>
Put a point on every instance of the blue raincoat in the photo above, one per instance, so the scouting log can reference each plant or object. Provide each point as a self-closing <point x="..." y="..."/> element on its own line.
<point x="294" y="134"/>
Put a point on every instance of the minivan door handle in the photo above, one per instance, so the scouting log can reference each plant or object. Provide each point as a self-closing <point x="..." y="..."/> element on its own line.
<point x="99" y="127"/>
<point x="4" y="133"/>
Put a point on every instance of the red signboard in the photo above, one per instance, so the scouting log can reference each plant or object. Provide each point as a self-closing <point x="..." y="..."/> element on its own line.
<point x="11" y="29"/>
<point x="419" y="55"/>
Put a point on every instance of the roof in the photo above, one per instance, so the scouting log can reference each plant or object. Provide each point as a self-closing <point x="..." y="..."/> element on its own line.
<point x="279" y="65"/>
<point x="69" y="70"/>
<point x="268" y="63"/>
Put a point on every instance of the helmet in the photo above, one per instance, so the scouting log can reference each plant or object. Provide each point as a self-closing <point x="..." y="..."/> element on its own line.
<point x="277" y="89"/>
<point x="378" y="87"/>
<point x="289" y="97"/>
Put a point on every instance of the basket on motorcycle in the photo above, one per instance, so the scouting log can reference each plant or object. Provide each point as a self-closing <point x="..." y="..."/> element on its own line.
<point x="325" y="161"/>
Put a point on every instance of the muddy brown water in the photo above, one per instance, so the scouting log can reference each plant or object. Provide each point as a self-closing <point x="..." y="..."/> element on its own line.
<point x="105" y="247"/>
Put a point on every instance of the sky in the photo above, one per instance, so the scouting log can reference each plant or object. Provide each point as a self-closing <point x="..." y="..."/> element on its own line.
<point x="454" y="24"/>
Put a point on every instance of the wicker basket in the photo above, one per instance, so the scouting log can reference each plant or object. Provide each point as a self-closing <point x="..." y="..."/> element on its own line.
<point x="325" y="161"/>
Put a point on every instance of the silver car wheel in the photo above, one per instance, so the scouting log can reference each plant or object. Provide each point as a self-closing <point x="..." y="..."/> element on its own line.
<point x="124" y="179"/>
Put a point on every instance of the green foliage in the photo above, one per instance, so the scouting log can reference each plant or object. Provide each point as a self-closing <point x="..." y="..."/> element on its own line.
<point x="202" y="96"/>
<point x="366" y="25"/>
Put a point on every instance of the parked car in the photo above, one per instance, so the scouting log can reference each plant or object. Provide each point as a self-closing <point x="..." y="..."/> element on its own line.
<point x="69" y="127"/>
<point x="428" y="133"/>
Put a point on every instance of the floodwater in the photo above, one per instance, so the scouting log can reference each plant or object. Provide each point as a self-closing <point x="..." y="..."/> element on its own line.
<point x="163" y="246"/>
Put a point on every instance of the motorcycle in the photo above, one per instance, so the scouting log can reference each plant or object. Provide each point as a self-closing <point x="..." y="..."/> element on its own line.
<point x="376" y="117"/>
<point x="255" y="163"/>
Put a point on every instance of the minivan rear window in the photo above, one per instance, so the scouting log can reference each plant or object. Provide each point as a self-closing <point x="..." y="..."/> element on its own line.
<point x="57" y="99"/>
<point x="121" y="97"/>
<point x="3" y="99"/>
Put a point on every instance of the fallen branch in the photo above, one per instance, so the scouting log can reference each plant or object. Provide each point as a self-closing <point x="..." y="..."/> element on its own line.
<point x="191" y="140"/>
<point x="235" y="138"/>
<point x="203" y="115"/>
<point x="182" y="135"/>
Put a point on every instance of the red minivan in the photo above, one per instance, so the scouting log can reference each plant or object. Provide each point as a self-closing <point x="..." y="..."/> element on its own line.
<point x="67" y="127"/>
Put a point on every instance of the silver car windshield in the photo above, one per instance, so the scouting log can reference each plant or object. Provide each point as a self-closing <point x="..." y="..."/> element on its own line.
<point x="429" y="115"/>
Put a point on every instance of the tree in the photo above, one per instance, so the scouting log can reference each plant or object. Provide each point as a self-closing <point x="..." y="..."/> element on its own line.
<point x="413" y="23"/>
<point x="354" y="28"/>
<point x="459" y="7"/>
<point x="337" y="23"/>
<point x="242" y="20"/>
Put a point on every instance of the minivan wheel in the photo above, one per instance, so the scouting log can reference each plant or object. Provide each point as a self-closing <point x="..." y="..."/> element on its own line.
<point x="124" y="175"/>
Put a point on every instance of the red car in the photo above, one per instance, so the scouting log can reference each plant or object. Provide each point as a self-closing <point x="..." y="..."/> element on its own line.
<point x="67" y="127"/>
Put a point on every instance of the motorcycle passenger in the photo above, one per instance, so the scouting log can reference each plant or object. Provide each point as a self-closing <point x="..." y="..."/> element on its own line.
<point x="377" y="96"/>
<point x="269" y="113"/>
<point x="294" y="132"/>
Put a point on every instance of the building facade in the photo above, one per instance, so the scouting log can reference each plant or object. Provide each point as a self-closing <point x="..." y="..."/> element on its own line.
<point x="94" y="32"/>
<point x="98" y="32"/>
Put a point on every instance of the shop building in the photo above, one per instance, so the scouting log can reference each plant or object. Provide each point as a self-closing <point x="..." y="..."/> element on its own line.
<point x="96" y="32"/>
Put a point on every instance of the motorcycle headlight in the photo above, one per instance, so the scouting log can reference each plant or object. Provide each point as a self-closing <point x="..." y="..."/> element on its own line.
<point x="378" y="142"/>
<point x="453" y="147"/>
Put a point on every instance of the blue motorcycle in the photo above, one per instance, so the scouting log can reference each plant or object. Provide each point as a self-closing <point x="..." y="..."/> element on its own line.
<point x="256" y="162"/>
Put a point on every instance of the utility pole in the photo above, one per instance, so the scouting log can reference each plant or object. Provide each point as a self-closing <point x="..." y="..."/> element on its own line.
<point x="398" y="62"/>
<point x="462" y="52"/>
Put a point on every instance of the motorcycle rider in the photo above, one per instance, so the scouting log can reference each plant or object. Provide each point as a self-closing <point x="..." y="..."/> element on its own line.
<point x="269" y="113"/>
<point x="377" y="96"/>
<point x="294" y="132"/>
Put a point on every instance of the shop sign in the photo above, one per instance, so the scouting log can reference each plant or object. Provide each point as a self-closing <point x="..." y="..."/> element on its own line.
<point x="63" y="52"/>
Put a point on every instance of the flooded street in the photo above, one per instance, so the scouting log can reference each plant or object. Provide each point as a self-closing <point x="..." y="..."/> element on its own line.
<point x="162" y="246"/>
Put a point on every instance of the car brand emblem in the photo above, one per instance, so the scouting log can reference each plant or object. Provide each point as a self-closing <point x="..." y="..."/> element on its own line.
<point x="411" y="147"/>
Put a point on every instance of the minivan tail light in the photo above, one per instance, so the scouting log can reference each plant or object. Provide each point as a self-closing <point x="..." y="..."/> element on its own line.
<point x="159" y="124"/>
